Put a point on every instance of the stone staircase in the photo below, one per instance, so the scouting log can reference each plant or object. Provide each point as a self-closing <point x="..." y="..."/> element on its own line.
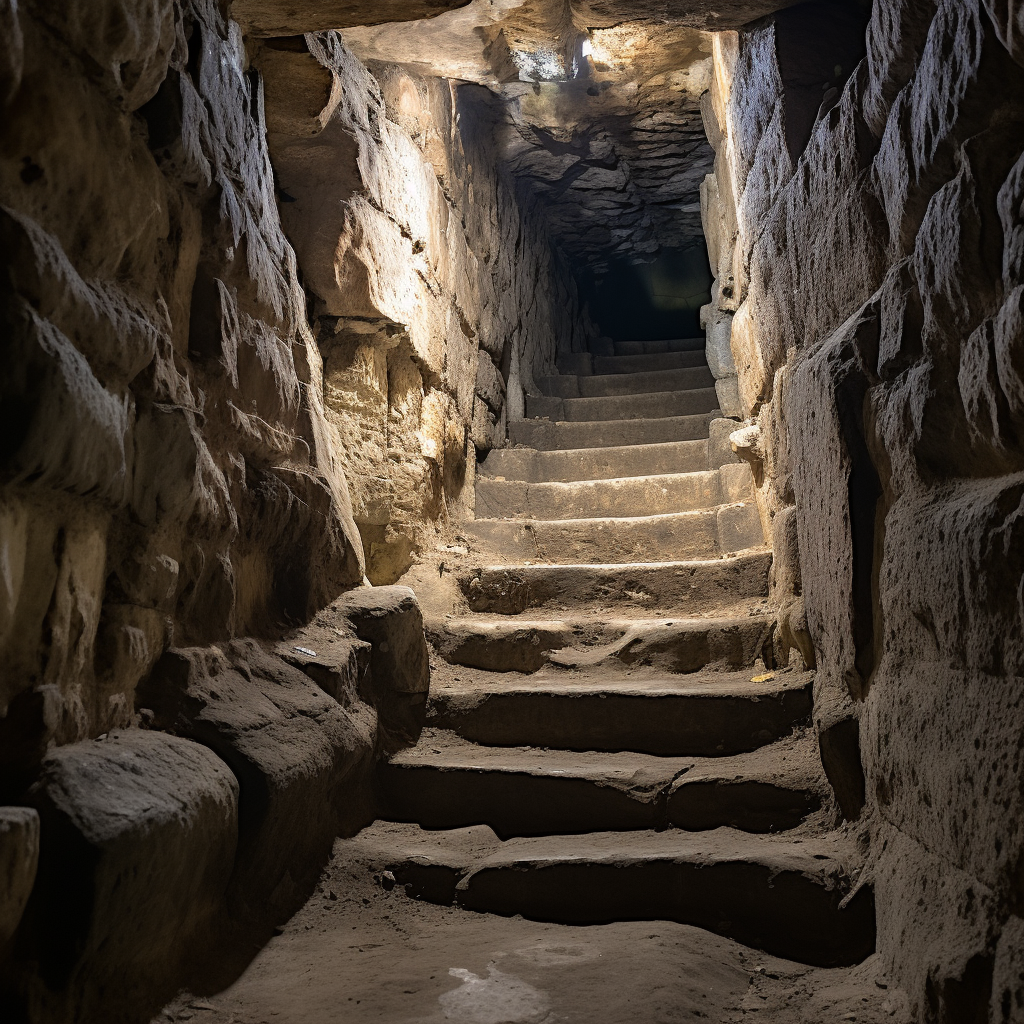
<point x="603" y="741"/>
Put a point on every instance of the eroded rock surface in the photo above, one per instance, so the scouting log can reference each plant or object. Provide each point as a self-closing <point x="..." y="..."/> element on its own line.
<point x="866" y="235"/>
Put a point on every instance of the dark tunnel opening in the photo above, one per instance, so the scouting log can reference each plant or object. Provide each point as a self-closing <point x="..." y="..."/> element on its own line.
<point x="649" y="301"/>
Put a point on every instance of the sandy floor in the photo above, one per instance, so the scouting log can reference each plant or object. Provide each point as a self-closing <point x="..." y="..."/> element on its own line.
<point x="359" y="951"/>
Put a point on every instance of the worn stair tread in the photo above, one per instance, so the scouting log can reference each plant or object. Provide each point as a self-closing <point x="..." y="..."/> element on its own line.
<point x="624" y="407"/>
<point x="748" y="684"/>
<point x="449" y="782"/>
<point x="682" y="378"/>
<point x="592" y="499"/>
<point x="706" y="713"/>
<point x="532" y="465"/>
<point x="732" y="637"/>
<point x="779" y="894"/>
<point x="784" y="894"/>
<point x="550" y="435"/>
<point x="716" y="531"/>
<point x="682" y="585"/>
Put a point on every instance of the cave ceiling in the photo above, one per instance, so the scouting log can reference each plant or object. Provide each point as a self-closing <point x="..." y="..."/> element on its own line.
<point x="599" y="115"/>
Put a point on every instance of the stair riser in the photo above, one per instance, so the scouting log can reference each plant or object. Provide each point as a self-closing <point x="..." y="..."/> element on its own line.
<point x="663" y="724"/>
<point x="513" y="804"/>
<point x="688" y="590"/>
<point x="638" y="348"/>
<point x="785" y="913"/>
<point x="637" y="496"/>
<point x="683" y="378"/>
<point x="531" y="466"/>
<point x="548" y="436"/>
<point x="691" y="535"/>
<point x="623" y="407"/>
<point x="519" y="804"/>
<point x="752" y="806"/>
<point x="646" y="363"/>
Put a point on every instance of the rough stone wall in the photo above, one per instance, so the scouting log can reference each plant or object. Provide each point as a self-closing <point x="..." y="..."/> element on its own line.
<point x="186" y="406"/>
<point x="178" y="450"/>
<point x="435" y="297"/>
<point x="166" y="462"/>
<point x="867" y="225"/>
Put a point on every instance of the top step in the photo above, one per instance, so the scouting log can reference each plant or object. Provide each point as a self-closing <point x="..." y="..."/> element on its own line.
<point x="641" y="348"/>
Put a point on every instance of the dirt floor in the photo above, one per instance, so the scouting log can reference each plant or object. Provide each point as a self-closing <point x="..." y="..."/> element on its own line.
<point x="361" y="950"/>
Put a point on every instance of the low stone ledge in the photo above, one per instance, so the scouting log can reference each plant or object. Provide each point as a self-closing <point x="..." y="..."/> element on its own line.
<point x="297" y="753"/>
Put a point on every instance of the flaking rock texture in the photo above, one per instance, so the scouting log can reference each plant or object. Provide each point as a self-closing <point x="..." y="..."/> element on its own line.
<point x="166" y="464"/>
<point x="865" y="219"/>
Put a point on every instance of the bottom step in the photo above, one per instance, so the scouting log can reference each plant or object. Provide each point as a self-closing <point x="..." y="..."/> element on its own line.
<point x="784" y="896"/>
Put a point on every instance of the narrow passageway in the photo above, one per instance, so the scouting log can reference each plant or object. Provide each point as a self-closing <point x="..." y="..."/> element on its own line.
<point x="511" y="511"/>
<point x="608" y="764"/>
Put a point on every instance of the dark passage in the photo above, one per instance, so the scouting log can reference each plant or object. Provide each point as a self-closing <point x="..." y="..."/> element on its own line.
<point x="649" y="301"/>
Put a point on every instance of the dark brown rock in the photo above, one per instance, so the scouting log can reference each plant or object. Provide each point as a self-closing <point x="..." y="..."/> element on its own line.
<point x="299" y="757"/>
<point x="137" y="843"/>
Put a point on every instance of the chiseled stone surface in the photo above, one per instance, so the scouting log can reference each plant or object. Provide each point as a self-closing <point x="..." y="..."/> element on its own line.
<point x="436" y="296"/>
<point x="877" y="341"/>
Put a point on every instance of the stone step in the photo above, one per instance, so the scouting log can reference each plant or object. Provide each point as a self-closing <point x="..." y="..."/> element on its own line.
<point x="707" y="714"/>
<point x="679" y="535"/>
<point x="448" y="782"/>
<point x="639" y="348"/>
<point x="595" y="499"/>
<point x="679" y="644"/>
<point x="648" y="362"/>
<point x="628" y="497"/>
<point x="534" y="466"/>
<point x="547" y="436"/>
<point x="689" y="587"/>
<point x="786" y="896"/>
<point x="623" y="407"/>
<point x="688" y="378"/>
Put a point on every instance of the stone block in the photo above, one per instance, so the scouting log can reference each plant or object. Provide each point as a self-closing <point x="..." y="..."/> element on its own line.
<point x="19" y="858"/>
<point x="719" y="347"/>
<point x="739" y="527"/>
<point x="297" y="753"/>
<point x="137" y="842"/>
<point x="338" y="663"/>
<point x="720" y="451"/>
<point x="737" y="482"/>
<point x="398" y="679"/>
<point x="728" y="391"/>
<point x="390" y="619"/>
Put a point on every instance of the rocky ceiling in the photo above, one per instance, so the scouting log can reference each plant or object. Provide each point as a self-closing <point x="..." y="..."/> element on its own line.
<point x="600" y="120"/>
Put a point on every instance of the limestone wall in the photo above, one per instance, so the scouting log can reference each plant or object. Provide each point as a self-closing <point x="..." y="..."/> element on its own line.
<point x="187" y="408"/>
<point x="190" y="414"/>
<point x="866" y="220"/>
<point x="435" y="298"/>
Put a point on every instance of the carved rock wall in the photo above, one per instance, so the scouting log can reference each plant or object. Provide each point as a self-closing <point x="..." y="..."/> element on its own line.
<point x="436" y="297"/>
<point x="166" y="464"/>
<point x="865" y="217"/>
